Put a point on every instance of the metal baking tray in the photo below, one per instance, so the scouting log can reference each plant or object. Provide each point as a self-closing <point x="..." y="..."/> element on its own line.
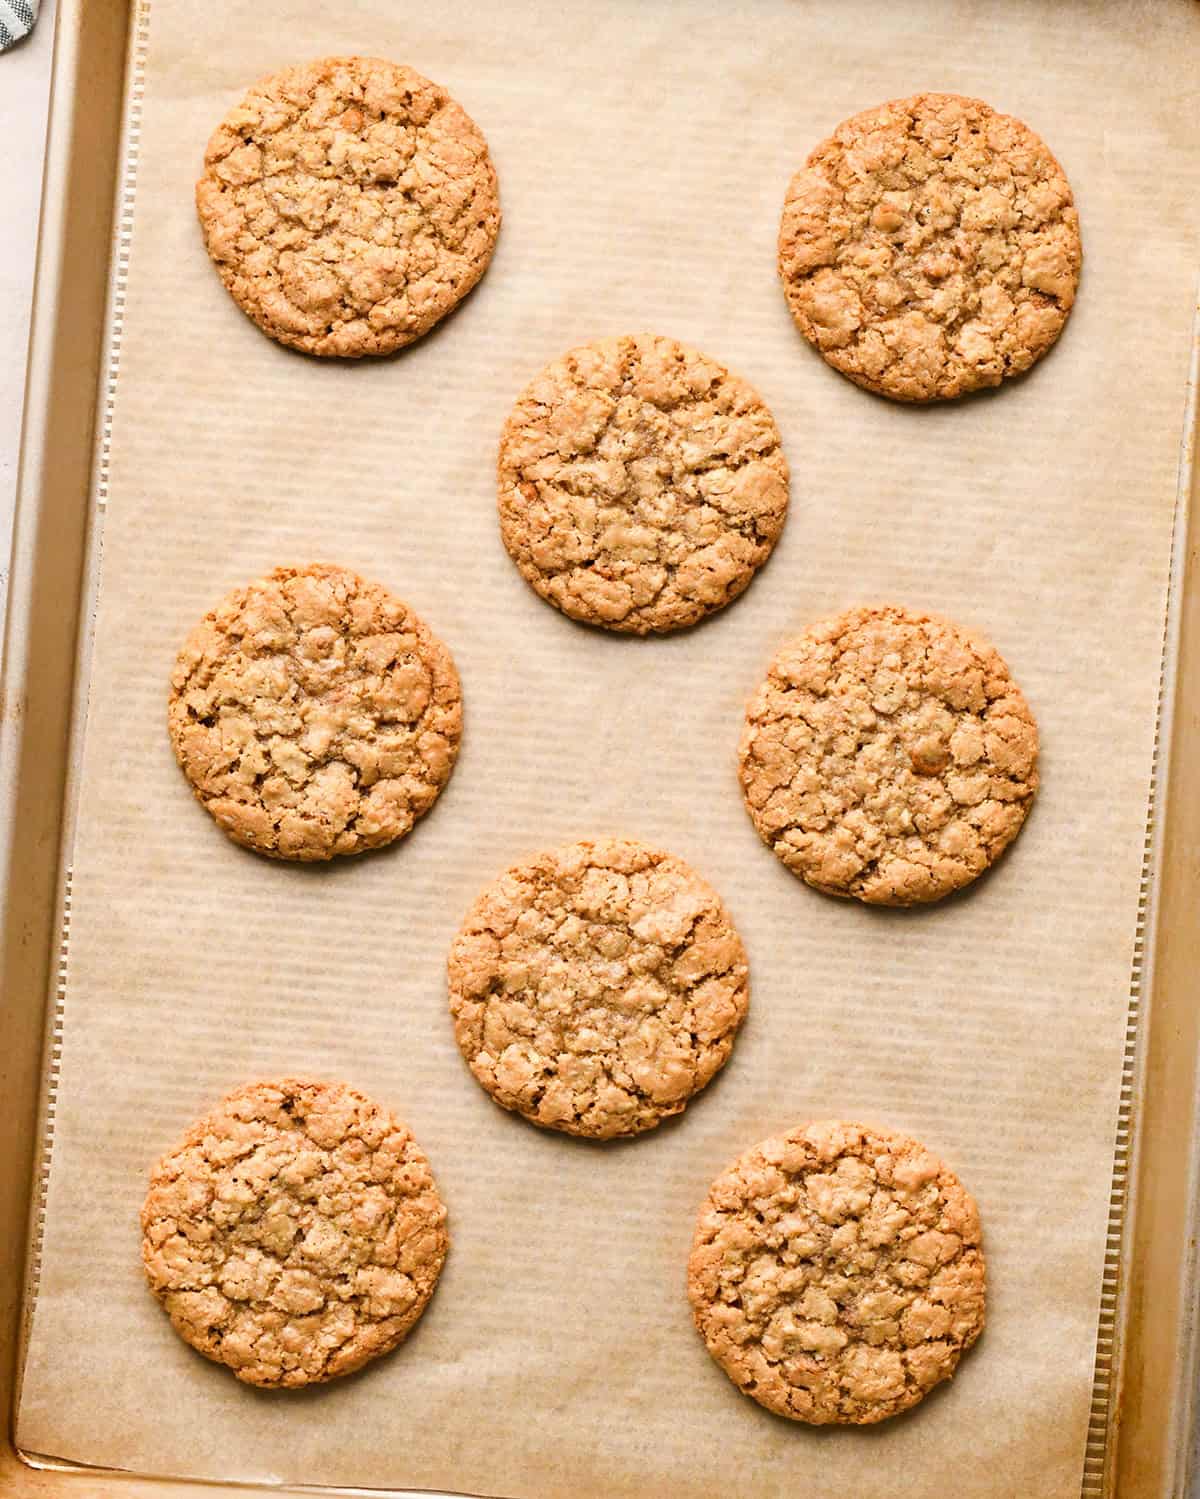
<point x="1140" y="1444"/>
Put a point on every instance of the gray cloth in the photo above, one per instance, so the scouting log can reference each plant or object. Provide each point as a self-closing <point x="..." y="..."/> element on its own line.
<point x="16" y="20"/>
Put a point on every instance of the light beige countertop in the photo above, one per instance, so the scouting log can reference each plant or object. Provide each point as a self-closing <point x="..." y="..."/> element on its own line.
<point x="24" y="96"/>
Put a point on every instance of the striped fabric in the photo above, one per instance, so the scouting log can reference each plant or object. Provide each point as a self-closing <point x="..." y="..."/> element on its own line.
<point x="16" y="20"/>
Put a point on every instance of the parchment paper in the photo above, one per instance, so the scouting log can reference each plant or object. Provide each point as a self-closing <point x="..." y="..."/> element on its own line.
<point x="643" y="149"/>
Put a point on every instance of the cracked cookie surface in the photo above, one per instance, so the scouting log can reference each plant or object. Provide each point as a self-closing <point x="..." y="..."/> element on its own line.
<point x="930" y="247"/>
<point x="641" y="484"/>
<point x="295" y="1233"/>
<point x="314" y="714"/>
<point x="597" y="987"/>
<point x="348" y="204"/>
<point x="836" y="1273"/>
<point x="889" y="756"/>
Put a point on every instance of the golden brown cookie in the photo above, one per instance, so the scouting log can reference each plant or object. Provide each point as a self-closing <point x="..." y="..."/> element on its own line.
<point x="888" y="755"/>
<point x="641" y="484"/>
<point x="314" y="714"/>
<point x="348" y="204"/>
<point x="595" y="988"/>
<point x="930" y="247"/>
<point x="295" y="1233"/>
<point x="836" y="1274"/>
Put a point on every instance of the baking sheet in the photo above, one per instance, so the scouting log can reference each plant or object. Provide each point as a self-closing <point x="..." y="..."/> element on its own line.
<point x="643" y="150"/>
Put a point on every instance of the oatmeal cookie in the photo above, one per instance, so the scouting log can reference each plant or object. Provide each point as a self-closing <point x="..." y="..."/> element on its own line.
<point x="348" y="204"/>
<point x="889" y="756"/>
<point x="641" y="485"/>
<point x="837" y="1273"/>
<point x="930" y="247"/>
<point x="596" y="988"/>
<point x="294" y="1234"/>
<point x="314" y="714"/>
